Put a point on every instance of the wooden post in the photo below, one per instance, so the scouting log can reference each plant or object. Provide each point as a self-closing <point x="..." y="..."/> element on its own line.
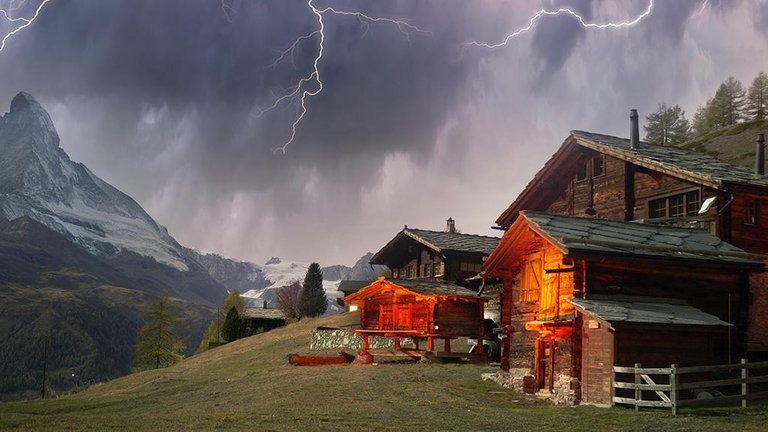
<point x="744" y="385"/>
<point x="551" y="378"/>
<point x="638" y="392"/>
<point x="45" y="368"/>
<point x="673" y="389"/>
<point x="365" y="343"/>
<point x="447" y="346"/>
<point x="397" y="343"/>
<point x="430" y="344"/>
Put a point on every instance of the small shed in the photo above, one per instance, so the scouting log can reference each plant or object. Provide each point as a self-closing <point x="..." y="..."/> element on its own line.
<point x="654" y="333"/>
<point x="425" y="309"/>
<point x="261" y="318"/>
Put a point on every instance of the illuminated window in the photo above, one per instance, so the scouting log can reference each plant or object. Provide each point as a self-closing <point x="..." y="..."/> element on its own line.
<point x="530" y="278"/>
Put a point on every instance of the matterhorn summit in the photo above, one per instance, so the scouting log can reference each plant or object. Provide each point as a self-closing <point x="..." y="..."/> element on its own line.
<point x="38" y="180"/>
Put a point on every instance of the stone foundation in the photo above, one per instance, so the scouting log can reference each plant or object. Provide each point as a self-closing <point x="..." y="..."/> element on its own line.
<point x="563" y="394"/>
<point x="324" y="339"/>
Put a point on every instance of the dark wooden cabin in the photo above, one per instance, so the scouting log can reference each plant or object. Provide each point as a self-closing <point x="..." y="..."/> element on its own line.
<point x="258" y="319"/>
<point x="436" y="255"/>
<point x="586" y="294"/>
<point x="418" y="309"/>
<point x="601" y="176"/>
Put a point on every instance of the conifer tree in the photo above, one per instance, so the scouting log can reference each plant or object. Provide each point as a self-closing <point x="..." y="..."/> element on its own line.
<point x="313" y="301"/>
<point x="232" y="329"/>
<point x="757" y="97"/>
<point x="703" y="119"/>
<point x="728" y="104"/>
<point x="233" y="299"/>
<point x="210" y="335"/>
<point x="157" y="344"/>
<point x="667" y="125"/>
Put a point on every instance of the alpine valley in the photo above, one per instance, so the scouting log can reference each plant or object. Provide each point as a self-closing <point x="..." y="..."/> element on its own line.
<point x="80" y="261"/>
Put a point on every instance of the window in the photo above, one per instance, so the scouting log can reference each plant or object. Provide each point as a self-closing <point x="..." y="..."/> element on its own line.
<point x="428" y="270"/>
<point x="437" y="269"/>
<point x="530" y="278"/>
<point x="750" y="213"/>
<point x="675" y="206"/>
<point x="590" y="168"/>
<point x="471" y="267"/>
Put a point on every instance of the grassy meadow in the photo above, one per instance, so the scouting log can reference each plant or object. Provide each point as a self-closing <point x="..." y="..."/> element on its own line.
<point x="249" y="385"/>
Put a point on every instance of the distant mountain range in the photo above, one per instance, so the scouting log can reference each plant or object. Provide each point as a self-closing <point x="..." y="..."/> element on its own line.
<point x="80" y="261"/>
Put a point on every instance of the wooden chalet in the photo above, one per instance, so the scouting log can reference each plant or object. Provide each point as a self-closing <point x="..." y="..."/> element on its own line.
<point x="417" y="309"/>
<point x="620" y="179"/>
<point x="257" y="319"/>
<point x="586" y="294"/>
<point x="436" y="255"/>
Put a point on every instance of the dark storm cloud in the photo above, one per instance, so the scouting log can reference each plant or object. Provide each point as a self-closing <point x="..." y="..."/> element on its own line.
<point x="555" y="37"/>
<point x="159" y="97"/>
<point x="383" y="93"/>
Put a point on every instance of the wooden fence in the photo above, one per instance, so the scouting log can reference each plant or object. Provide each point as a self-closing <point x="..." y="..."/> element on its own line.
<point x="662" y="387"/>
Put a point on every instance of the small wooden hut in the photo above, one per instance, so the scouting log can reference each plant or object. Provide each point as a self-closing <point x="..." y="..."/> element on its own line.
<point x="256" y="319"/>
<point x="417" y="309"/>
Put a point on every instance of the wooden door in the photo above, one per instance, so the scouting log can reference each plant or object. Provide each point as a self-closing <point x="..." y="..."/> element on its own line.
<point x="386" y="318"/>
<point x="403" y="317"/>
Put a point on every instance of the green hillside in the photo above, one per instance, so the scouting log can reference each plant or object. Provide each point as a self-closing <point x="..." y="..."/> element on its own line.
<point x="249" y="385"/>
<point x="735" y="144"/>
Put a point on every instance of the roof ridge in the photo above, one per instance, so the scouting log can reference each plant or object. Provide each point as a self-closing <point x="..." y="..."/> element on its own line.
<point x="454" y="233"/>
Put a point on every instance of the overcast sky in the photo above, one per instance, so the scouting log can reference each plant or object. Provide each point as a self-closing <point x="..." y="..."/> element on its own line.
<point x="161" y="99"/>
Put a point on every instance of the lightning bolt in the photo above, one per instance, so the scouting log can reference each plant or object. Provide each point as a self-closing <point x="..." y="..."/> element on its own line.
<point x="26" y="22"/>
<point x="702" y="8"/>
<point x="567" y="11"/>
<point x="311" y="84"/>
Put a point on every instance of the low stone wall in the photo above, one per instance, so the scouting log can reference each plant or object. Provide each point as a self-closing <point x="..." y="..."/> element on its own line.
<point x="563" y="393"/>
<point x="323" y="339"/>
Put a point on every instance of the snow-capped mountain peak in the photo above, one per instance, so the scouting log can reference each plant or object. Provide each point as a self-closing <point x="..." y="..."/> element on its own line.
<point x="38" y="179"/>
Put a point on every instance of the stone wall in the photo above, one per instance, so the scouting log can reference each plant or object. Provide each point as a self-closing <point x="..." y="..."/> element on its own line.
<point x="323" y="339"/>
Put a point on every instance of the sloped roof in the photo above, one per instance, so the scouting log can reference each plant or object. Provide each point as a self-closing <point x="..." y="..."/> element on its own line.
<point x="696" y="167"/>
<point x="433" y="287"/>
<point x="440" y="242"/>
<point x="577" y="235"/>
<point x="263" y="313"/>
<point x="646" y="312"/>
<point x="699" y="167"/>
<point x="447" y="241"/>
<point x="419" y="286"/>
<point x="352" y="286"/>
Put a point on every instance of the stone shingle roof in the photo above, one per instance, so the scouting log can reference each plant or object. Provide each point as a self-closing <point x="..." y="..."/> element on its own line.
<point x="433" y="287"/>
<point x="645" y="312"/>
<point x="263" y="313"/>
<point x="446" y="241"/>
<point x="698" y="168"/>
<point x="352" y="286"/>
<point x="576" y="235"/>
<point x="695" y="166"/>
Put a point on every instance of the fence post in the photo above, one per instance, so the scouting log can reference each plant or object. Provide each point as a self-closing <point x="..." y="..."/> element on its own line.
<point x="638" y="392"/>
<point x="673" y="388"/>
<point x="744" y="385"/>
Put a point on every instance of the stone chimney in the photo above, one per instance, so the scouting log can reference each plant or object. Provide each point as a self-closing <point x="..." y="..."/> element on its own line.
<point x="760" y="155"/>
<point x="634" y="130"/>
<point x="450" y="226"/>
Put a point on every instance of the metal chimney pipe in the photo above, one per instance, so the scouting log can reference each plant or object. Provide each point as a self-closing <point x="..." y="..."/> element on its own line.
<point x="634" y="130"/>
<point x="760" y="155"/>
